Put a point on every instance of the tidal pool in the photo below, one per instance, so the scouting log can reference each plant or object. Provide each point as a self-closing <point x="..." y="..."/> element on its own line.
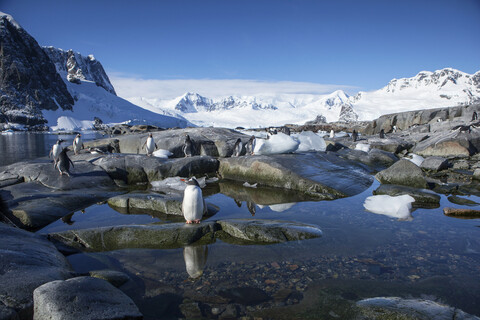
<point x="360" y="255"/>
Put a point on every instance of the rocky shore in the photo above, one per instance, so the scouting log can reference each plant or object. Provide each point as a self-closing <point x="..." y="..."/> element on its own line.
<point x="37" y="281"/>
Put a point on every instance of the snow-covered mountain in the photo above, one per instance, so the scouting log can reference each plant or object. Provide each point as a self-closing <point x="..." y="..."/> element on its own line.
<point x="442" y="88"/>
<point x="60" y="89"/>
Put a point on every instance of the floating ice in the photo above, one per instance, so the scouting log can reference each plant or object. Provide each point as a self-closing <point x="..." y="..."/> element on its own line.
<point x="362" y="147"/>
<point x="278" y="143"/>
<point x="162" y="153"/>
<point x="395" y="207"/>
<point x="281" y="206"/>
<point x="415" y="159"/>
<point x="309" y="141"/>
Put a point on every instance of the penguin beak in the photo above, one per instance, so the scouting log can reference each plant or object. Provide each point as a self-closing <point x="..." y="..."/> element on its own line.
<point x="182" y="180"/>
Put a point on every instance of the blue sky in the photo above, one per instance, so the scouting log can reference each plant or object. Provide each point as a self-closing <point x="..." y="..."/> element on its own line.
<point x="363" y="44"/>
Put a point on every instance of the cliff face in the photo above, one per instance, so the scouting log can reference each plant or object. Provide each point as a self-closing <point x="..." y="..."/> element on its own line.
<point x="29" y="81"/>
<point x="76" y="67"/>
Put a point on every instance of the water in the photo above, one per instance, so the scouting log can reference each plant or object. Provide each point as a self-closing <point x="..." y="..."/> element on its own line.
<point x="360" y="255"/>
<point x="21" y="146"/>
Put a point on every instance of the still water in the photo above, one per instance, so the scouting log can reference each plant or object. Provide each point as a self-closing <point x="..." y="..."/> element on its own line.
<point x="360" y="255"/>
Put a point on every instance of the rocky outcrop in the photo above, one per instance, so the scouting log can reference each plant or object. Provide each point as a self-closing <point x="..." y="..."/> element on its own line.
<point x="320" y="175"/>
<point x="83" y="298"/>
<point x="177" y="235"/>
<point x="29" y="82"/>
<point x="77" y="67"/>
<point x="27" y="261"/>
<point x="405" y="173"/>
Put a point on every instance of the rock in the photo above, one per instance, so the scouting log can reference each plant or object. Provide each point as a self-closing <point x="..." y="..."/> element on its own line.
<point x="134" y="169"/>
<point x="476" y="174"/>
<point x="461" y="213"/>
<point x="461" y="165"/>
<point x="245" y="295"/>
<point x="462" y="201"/>
<point x="266" y="231"/>
<point x="434" y="164"/>
<point x="453" y="143"/>
<point x="398" y="308"/>
<point x="389" y="144"/>
<point x="231" y="312"/>
<point x="26" y="262"/>
<point x="176" y="235"/>
<point x="423" y="198"/>
<point x="191" y="310"/>
<point x="82" y="298"/>
<point x="116" y="278"/>
<point x="375" y="158"/>
<point x="320" y="175"/>
<point x="403" y="172"/>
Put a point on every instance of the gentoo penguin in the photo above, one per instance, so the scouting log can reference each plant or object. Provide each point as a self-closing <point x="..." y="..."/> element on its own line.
<point x="55" y="151"/>
<point x="354" y="135"/>
<point x="332" y="134"/>
<point x="238" y="203"/>
<point x="195" y="259"/>
<point x="237" y="149"/>
<point x="251" y="145"/>
<point x="251" y="207"/>
<point x="63" y="163"/>
<point x="474" y="116"/>
<point x="150" y="145"/>
<point x="77" y="144"/>
<point x="382" y="134"/>
<point x="188" y="148"/>
<point x="193" y="205"/>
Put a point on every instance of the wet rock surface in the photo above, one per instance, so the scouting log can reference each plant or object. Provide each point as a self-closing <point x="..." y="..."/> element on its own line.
<point x="423" y="198"/>
<point x="82" y="298"/>
<point x="403" y="172"/>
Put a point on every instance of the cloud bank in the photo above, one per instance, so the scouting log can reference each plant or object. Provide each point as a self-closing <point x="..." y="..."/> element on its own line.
<point x="127" y="87"/>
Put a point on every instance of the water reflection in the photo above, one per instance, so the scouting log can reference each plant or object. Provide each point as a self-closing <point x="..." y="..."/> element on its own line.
<point x="195" y="259"/>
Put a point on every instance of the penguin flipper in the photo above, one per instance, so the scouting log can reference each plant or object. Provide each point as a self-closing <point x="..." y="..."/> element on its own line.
<point x="73" y="166"/>
<point x="205" y="209"/>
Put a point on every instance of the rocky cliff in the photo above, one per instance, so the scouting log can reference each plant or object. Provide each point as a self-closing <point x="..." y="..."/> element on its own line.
<point x="29" y="81"/>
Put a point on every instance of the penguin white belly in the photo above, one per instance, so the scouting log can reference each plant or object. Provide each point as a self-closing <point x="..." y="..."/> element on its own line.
<point x="193" y="205"/>
<point x="77" y="145"/>
<point x="150" y="145"/>
<point x="56" y="151"/>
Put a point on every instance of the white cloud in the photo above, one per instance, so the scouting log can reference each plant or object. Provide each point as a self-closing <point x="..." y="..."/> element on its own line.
<point x="127" y="87"/>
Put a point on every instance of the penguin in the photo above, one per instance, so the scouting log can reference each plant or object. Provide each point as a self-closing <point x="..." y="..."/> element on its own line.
<point x="63" y="163"/>
<point x="195" y="259"/>
<point x="474" y="116"/>
<point x="77" y="144"/>
<point x="237" y="149"/>
<point x="332" y="134"/>
<point x="193" y="205"/>
<point x="150" y="145"/>
<point x="251" y="208"/>
<point x="382" y="134"/>
<point x="188" y="148"/>
<point x="55" y="151"/>
<point x="354" y="135"/>
<point x="238" y="203"/>
<point x="251" y="145"/>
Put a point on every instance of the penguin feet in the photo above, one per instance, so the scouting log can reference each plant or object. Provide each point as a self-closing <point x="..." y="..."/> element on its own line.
<point x="196" y="220"/>
<point x="189" y="221"/>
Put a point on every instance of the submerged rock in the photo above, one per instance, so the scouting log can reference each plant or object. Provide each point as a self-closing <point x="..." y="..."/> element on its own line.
<point x="461" y="213"/>
<point x="320" y="175"/>
<point x="83" y="298"/>
<point x="27" y="261"/>
<point x="398" y="308"/>
<point x="423" y="198"/>
<point x="403" y="172"/>
<point x="176" y="235"/>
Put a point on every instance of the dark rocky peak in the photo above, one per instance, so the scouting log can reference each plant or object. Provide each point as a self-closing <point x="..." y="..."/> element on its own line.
<point x="76" y="67"/>
<point x="29" y="81"/>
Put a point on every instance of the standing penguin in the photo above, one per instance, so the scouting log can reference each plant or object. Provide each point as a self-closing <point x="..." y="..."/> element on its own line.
<point x="55" y="151"/>
<point x="354" y="135"/>
<point x="150" y="145"/>
<point x="332" y="134"/>
<point x="251" y="145"/>
<point x="193" y="205"/>
<point x="382" y="134"/>
<point x="63" y="163"/>
<point x="77" y="144"/>
<point x="188" y="148"/>
<point x="237" y="149"/>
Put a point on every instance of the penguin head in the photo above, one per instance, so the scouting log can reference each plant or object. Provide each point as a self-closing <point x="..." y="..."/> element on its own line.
<point x="150" y="135"/>
<point x="59" y="141"/>
<point x="191" y="182"/>
<point x="252" y="138"/>
<point x="187" y="137"/>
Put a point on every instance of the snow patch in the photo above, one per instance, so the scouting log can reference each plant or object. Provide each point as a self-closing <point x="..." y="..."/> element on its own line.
<point x="395" y="207"/>
<point x="278" y="143"/>
<point x="309" y="141"/>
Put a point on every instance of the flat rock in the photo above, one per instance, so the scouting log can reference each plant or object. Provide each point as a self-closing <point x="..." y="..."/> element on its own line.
<point x="393" y="144"/>
<point x="116" y="278"/>
<point x="320" y="175"/>
<point x="134" y="169"/>
<point x="26" y="262"/>
<point x="398" y="308"/>
<point x="423" y="198"/>
<point x="461" y="213"/>
<point x="403" y="172"/>
<point x="375" y="158"/>
<point x="453" y="143"/>
<point x="82" y="298"/>
<point x="435" y="163"/>
<point x="176" y="235"/>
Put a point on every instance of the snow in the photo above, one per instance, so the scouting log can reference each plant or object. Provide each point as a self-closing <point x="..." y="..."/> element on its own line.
<point x="162" y="153"/>
<point x="248" y="185"/>
<point x="278" y="143"/>
<point x="395" y="207"/>
<point x="309" y="141"/>
<point x="415" y="159"/>
<point x="362" y="147"/>
<point x="65" y="123"/>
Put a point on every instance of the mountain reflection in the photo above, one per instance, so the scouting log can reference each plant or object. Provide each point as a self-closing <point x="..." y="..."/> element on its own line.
<point x="195" y="259"/>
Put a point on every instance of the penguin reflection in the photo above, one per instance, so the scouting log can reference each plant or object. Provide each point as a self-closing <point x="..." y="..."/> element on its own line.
<point x="251" y="207"/>
<point x="195" y="259"/>
<point x="68" y="219"/>
<point x="238" y="203"/>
